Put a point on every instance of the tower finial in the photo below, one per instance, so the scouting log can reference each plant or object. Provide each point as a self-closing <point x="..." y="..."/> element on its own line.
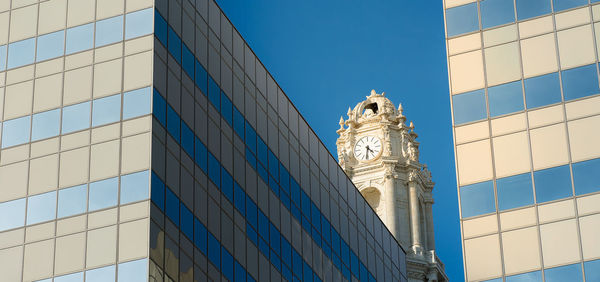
<point x="349" y="112"/>
<point x="373" y="92"/>
<point x="400" y="109"/>
<point x="341" y="123"/>
<point x="412" y="126"/>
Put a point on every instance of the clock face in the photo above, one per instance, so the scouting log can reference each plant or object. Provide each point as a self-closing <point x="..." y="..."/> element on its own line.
<point x="367" y="148"/>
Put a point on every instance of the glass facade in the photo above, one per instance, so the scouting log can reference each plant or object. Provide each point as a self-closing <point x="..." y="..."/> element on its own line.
<point x="526" y="108"/>
<point x="143" y="140"/>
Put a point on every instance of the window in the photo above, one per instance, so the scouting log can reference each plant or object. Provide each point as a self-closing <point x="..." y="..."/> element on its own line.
<point x="159" y="108"/>
<point x="12" y="214"/>
<point x="200" y="236"/>
<point x="214" y="93"/>
<point x="560" y="5"/>
<point x="173" y="123"/>
<point x="201" y="78"/>
<point x="214" y="251"/>
<point x="239" y="198"/>
<point x="200" y="156"/>
<point x="172" y="206"/>
<point x="570" y="272"/>
<point x="74" y="277"/>
<point x="580" y="82"/>
<point x="158" y="192"/>
<point x="496" y="12"/>
<point x="250" y="138"/>
<point x="514" y="191"/>
<point x="41" y="207"/>
<point x="214" y="170"/>
<point x="476" y="199"/>
<point x="72" y="200"/>
<point x="226" y="184"/>
<point x="109" y="31"/>
<point x="532" y="8"/>
<point x="542" y="90"/>
<point x="552" y="183"/>
<point x="15" y="132"/>
<point x="134" y="187"/>
<point x="133" y="271"/>
<point x="76" y="117"/>
<point x="174" y="45"/>
<point x="106" y="110"/>
<point x="138" y="23"/>
<point x="469" y="107"/>
<point x="21" y="53"/>
<point x="2" y="57"/>
<point x="238" y="123"/>
<point x="226" y="109"/>
<point x="80" y="38"/>
<point x="251" y="212"/>
<point x="585" y="176"/>
<point x="160" y="28"/>
<point x="136" y="103"/>
<point x="227" y="264"/>
<point x="188" y="61"/>
<point x="462" y="19"/>
<point x="187" y="221"/>
<point x="103" y="194"/>
<point x="45" y="125"/>
<point x="102" y="274"/>
<point x="187" y="139"/>
<point x="592" y="270"/>
<point x="506" y="98"/>
<point x="50" y="45"/>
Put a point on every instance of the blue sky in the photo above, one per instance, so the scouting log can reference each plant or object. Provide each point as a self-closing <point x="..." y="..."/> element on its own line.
<point x="328" y="55"/>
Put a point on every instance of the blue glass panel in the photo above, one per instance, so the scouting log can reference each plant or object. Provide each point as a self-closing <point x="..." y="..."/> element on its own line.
<point x="496" y="12"/>
<point x="45" y="125"/>
<point x="250" y="138"/>
<point x="240" y="273"/>
<point x="494" y="280"/>
<point x="12" y="214"/>
<point x="188" y="61"/>
<point x="506" y="98"/>
<point x="542" y="90"/>
<point x="106" y="110"/>
<point x="532" y="8"/>
<point x="227" y="264"/>
<point x="296" y="263"/>
<point x="214" y="93"/>
<point x="41" y="208"/>
<point x="226" y="184"/>
<point x="261" y="152"/>
<point x="21" y="53"/>
<point x="345" y="254"/>
<point x="226" y="109"/>
<point x="138" y="23"/>
<point x="307" y="274"/>
<point x="251" y="212"/>
<point x="109" y="31"/>
<point x="201" y="155"/>
<point x="238" y="123"/>
<point x="469" y="106"/>
<point x="74" y="277"/>
<point x="273" y="165"/>
<point x="462" y="19"/>
<point x="173" y="123"/>
<point x="187" y="139"/>
<point x="275" y="261"/>
<point x="586" y="177"/>
<point x="201" y="78"/>
<point x="159" y="108"/>
<point x="133" y="271"/>
<point x="592" y="270"/>
<point x="580" y="82"/>
<point x="80" y="38"/>
<point x="50" y="45"/>
<point x="172" y="206"/>
<point x="514" y="191"/>
<point x="103" y="274"/>
<point x="354" y="265"/>
<point x="560" y="5"/>
<point x="239" y="198"/>
<point x="274" y="239"/>
<point x="134" y="187"/>
<point x="2" y="57"/>
<point x="263" y="225"/>
<point x="104" y="193"/>
<point x="214" y="170"/>
<point x="158" y="192"/>
<point x="552" y="183"/>
<point x="72" y="201"/>
<point x="174" y="45"/>
<point x="305" y="203"/>
<point x="476" y="199"/>
<point x="214" y="251"/>
<point x="251" y="233"/>
<point x="326" y="229"/>
<point x="136" y="103"/>
<point x="284" y="178"/>
<point x="295" y="192"/>
<point x="16" y="131"/>
<point x="286" y="252"/>
<point x="315" y="217"/>
<point x="187" y="221"/>
<point x="160" y="28"/>
<point x="76" y="117"/>
<point x="570" y="272"/>
<point x="200" y="236"/>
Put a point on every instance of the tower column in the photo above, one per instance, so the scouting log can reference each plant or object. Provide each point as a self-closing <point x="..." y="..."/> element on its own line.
<point x="429" y="222"/>
<point x="390" y="205"/>
<point x="415" y="226"/>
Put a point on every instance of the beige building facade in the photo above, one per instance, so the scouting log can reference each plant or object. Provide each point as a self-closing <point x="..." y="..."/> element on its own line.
<point x="380" y="154"/>
<point x="524" y="91"/>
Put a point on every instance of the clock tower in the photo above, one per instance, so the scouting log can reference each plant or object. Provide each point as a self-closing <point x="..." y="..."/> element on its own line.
<point x="379" y="152"/>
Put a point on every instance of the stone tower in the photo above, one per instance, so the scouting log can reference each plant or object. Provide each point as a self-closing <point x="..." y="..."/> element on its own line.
<point x="379" y="152"/>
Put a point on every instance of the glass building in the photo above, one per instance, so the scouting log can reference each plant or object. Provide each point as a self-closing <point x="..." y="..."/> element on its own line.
<point x="143" y="140"/>
<point x="526" y="117"/>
